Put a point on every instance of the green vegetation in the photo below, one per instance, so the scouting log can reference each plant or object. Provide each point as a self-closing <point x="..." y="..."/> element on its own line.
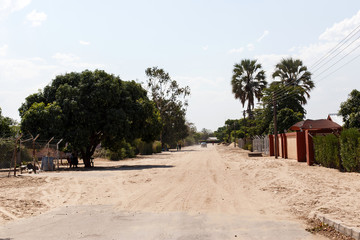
<point x="6" y="124"/>
<point x="341" y="152"/>
<point x="7" y="148"/>
<point x="248" y="81"/>
<point x="295" y="77"/>
<point x="290" y="92"/>
<point x="89" y="108"/>
<point x="327" y="151"/>
<point x="350" y="149"/>
<point x="350" y="110"/>
<point x="170" y="100"/>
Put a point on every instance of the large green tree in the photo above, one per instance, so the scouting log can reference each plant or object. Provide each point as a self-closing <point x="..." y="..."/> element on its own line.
<point x="350" y="110"/>
<point x="295" y="77"/>
<point x="248" y="82"/>
<point x="88" y="108"/>
<point x="170" y="100"/>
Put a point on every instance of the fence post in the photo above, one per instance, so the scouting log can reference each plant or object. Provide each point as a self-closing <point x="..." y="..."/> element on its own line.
<point x="57" y="152"/>
<point x="47" y="153"/>
<point x="14" y="155"/>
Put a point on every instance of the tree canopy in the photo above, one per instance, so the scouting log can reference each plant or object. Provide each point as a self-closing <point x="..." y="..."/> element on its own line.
<point x="170" y="100"/>
<point x="88" y="108"/>
<point x="295" y="77"/>
<point x="248" y="81"/>
<point x="350" y="110"/>
<point x="5" y="126"/>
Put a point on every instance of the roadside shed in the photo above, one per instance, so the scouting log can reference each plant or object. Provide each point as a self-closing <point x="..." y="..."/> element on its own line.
<point x="299" y="144"/>
<point x="312" y="128"/>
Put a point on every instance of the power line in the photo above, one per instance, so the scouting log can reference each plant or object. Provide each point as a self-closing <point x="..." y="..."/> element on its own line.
<point x="340" y="44"/>
<point x="357" y="29"/>
<point x="336" y="55"/>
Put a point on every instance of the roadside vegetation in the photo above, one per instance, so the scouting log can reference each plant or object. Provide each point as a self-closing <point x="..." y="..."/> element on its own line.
<point x="288" y="92"/>
<point x="96" y="113"/>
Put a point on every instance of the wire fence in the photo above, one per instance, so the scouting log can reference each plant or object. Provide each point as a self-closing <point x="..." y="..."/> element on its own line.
<point x="258" y="144"/>
<point x="31" y="152"/>
<point x="261" y="144"/>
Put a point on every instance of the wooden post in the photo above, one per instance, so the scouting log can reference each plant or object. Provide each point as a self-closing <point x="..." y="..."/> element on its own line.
<point x="14" y="155"/>
<point x="34" y="158"/>
<point x="57" y="152"/>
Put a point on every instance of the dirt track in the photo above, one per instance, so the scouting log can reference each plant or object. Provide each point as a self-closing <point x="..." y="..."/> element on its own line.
<point x="221" y="185"/>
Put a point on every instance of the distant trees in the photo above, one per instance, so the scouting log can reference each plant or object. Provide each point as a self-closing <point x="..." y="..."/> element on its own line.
<point x="350" y="110"/>
<point x="170" y="100"/>
<point x="89" y="108"/>
<point x="5" y="126"/>
<point x="248" y="81"/>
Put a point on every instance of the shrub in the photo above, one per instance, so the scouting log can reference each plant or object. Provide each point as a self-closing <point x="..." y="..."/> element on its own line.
<point x="6" y="153"/>
<point x="143" y="148"/>
<point x="117" y="155"/>
<point x="248" y="146"/>
<point x="327" y="151"/>
<point x="350" y="154"/>
<point x="156" y="147"/>
<point x="122" y="151"/>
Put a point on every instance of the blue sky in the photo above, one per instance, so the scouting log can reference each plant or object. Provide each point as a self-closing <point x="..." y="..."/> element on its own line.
<point x="197" y="42"/>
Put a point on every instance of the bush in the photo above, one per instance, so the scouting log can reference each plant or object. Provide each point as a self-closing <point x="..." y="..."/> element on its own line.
<point x="6" y="153"/>
<point x="156" y="147"/>
<point x="143" y="148"/>
<point x="327" y="151"/>
<point x="123" y="150"/>
<point x="117" y="155"/>
<point x="350" y="153"/>
<point x="248" y="146"/>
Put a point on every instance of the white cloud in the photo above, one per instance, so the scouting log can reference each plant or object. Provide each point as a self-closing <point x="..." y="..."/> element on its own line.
<point x="9" y="6"/>
<point x="36" y="18"/>
<point x="268" y="62"/>
<point x="65" y="58"/>
<point x="236" y="50"/>
<point x="250" y="47"/>
<point x="21" y="77"/>
<point x="340" y="30"/>
<point x="72" y="62"/>
<point x="3" y="50"/>
<point x="205" y="47"/>
<point x="266" y="32"/>
<point x="84" y="42"/>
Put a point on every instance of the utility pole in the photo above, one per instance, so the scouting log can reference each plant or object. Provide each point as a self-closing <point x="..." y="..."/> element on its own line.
<point x="275" y="128"/>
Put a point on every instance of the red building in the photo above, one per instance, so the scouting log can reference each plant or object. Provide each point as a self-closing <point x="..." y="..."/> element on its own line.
<point x="299" y="144"/>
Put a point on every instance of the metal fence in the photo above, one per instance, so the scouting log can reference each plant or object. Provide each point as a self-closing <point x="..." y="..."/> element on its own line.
<point x="241" y="143"/>
<point x="261" y="144"/>
<point x="15" y="152"/>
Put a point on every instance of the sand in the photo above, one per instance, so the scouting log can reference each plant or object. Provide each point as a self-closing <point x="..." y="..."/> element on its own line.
<point x="217" y="183"/>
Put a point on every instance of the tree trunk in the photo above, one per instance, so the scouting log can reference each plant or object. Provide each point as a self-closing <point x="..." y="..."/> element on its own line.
<point x="87" y="161"/>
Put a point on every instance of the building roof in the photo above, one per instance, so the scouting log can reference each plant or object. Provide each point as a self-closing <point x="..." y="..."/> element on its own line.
<point x="315" y="125"/>
<point x="336" y="118"/>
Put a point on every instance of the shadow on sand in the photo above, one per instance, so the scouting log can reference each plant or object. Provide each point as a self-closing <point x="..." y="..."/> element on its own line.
<point x="117" y="168"/>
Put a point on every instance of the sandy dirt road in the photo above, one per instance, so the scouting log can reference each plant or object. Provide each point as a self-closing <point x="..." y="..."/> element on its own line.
<point x="198" y="193"/>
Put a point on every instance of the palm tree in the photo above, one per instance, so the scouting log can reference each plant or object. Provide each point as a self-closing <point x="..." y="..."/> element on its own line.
<point x="295" y="77"/>
<point x="248" y="81"/>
